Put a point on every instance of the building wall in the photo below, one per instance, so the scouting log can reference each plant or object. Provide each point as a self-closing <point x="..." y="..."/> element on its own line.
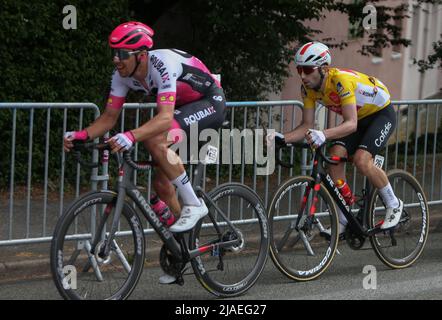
<point x="423" y="29"/>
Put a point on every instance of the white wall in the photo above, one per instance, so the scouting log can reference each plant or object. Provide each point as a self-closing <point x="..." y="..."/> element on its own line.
<point x="414" y="84"/>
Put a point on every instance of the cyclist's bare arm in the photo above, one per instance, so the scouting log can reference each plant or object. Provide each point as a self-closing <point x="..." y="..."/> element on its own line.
<point x="99" y="127"/>
<point x="333" y="120"/>
<point x="308" y="121"/>
<point x="161" y="122"/>
<point x="104" y="123"/>
<point x="348" y="126"/>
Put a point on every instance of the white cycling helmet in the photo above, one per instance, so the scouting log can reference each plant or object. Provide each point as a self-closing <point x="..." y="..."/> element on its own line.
<point x="313" y="54"/>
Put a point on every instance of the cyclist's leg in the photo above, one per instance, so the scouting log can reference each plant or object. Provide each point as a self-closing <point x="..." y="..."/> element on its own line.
<point x="380" y="126"/>
<point x="338" y="171"/>
<point x="162" y="185"/>
<point x="363" y="160"/>
<point x="166" y="191"/>
<point x="205" y="113"/>
<point x="172" y="167"/>
<point x="343" y="147"/>
<point x="376" y="136"/>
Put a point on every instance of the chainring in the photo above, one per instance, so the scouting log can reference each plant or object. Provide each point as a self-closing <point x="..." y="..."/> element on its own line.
<point x="354" y="241"/>
<point x="170" y="264"/>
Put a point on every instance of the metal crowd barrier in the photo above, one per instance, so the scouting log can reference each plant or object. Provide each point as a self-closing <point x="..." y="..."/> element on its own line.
<point x="418" y="117"/>
<point x="24" y="220"/>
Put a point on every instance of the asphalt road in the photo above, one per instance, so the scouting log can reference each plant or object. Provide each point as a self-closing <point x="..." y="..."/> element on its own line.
<point x="342" y="281"/>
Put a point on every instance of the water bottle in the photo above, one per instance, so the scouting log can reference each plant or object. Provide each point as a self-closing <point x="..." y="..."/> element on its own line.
<point x="345" y="190"/>
<point x="162" y="210"/>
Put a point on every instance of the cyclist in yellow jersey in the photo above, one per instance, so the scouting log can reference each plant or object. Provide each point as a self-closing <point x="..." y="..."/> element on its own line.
<point x="369" y="120"/>
<point x="343" y="87"/>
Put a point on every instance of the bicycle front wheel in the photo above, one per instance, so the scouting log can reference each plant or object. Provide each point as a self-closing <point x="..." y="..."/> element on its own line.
<point x="299" y="246"/>
<point x="78" y="269"/>
<point x="402" y="246"/>
<point x="231" y="271"/>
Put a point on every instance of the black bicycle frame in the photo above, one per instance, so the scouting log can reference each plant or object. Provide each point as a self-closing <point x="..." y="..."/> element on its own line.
<point x="320" y="175"/>
<point x="178" y="249"/>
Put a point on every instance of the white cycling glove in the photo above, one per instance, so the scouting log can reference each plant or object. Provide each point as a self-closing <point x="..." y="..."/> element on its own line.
<point x="124" y="140"/>
<point x="318" y="137"/>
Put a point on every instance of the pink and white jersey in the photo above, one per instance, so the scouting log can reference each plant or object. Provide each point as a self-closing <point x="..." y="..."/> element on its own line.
<point x="174" y="76"/>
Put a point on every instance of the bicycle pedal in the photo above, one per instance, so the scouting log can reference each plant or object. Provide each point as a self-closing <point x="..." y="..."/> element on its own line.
<point x="179" y="281"/>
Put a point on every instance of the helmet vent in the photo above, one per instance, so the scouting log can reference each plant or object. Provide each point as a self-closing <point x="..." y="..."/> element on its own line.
<point x="309" y="58"/>
<point x="134" y="39"/>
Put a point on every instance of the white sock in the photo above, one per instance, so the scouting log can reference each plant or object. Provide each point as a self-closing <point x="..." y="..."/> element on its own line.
<point x="185" y="190"/>
<point x="342" y="218"/>
<point x="390" y="199"/>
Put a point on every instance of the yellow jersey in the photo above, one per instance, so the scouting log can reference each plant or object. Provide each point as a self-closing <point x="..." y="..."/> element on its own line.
<point x="343" y="87"/>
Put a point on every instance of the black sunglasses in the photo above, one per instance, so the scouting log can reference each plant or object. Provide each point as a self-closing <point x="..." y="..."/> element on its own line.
<point x="123" y="54"/>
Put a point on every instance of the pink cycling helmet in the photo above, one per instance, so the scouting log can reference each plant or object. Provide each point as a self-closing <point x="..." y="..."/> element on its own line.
<point x="131" y="35"/>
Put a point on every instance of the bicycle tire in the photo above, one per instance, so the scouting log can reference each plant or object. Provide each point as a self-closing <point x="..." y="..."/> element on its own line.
<point x="404" y="262"/>
<point x="277" y="258"/>
<point x="64" y="223"/>
<point x="209" y="282"/>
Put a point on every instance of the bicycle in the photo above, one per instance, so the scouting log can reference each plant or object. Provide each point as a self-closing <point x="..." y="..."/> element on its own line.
<point x="101" y="236"/>
<point x="310" y="207"/>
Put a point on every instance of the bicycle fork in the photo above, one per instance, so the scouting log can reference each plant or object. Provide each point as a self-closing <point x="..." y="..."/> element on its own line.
<point x="103" y="252"/>
<point x="300" y="222"/>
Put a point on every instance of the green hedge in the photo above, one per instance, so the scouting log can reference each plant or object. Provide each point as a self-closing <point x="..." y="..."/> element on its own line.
<point x="41" y="61"/>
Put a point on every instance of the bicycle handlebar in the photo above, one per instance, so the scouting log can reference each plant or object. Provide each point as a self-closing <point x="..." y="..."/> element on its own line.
<point x="289" y="145"/>
<point x="127" y="155"/>
<point x="334" y="160"/>
<point x="80" y="146"/>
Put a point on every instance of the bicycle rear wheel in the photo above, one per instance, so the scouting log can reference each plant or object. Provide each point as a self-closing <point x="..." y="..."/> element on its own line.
<point x="227" y="272"/>
<point x="78" y="271"/>
<point x="402" y="246"/>
<point x="299" y="251"/>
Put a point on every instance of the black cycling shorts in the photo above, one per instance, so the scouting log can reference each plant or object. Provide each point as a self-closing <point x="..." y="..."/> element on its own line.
<point x="208" y="112"/>
<point x="372" y="133"/>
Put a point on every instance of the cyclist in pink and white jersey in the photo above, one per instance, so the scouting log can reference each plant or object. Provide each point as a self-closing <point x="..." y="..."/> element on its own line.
<point x="186" y="93"/>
